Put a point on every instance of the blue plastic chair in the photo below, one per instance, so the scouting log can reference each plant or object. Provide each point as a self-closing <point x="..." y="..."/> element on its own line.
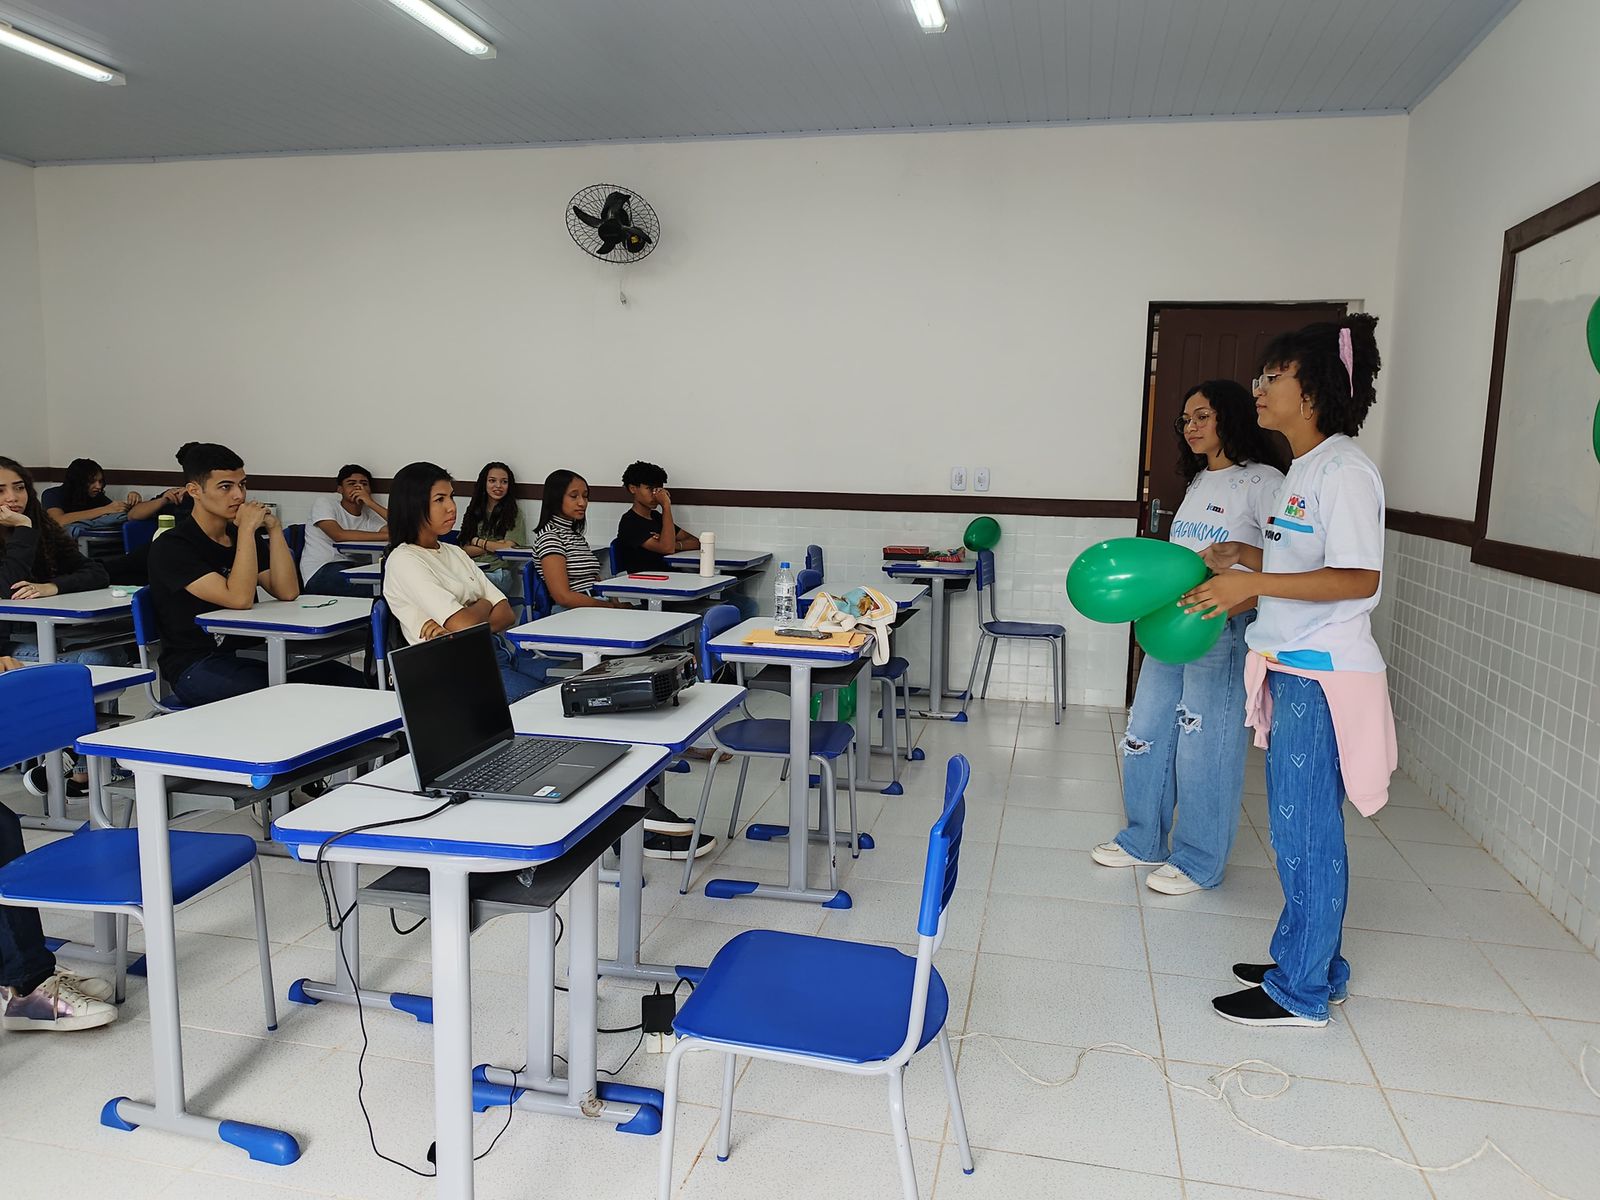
<point x="535" y="596"/>
<point x="148" y="640"/>
<point x="992" y="630"/>
<point x="768" y="737"/>
<point x="295" y="536"/>
<point x="97" y="870"/>
<point x="137" y="533"/>
<point x="380" y="641"/>
<point x="839" y="1006"/>
<point x="814" y="562"/>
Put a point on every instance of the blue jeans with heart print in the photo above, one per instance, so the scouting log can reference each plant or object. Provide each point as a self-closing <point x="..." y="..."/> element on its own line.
<point x="1305" y="802"/>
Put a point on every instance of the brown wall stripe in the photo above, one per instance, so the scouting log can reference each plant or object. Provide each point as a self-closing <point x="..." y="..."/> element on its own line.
<point x="1443" y="529"/>
<point x="963" y="502"/>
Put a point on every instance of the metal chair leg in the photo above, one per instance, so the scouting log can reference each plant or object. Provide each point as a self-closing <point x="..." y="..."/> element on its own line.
<point x="1055" y="678"/>
<point x="738" y="795"/>
<point x="725" y="1126"/>
<point x="972" y="675"/>
<point x="994" y="644"/>
<point x="891" y="739"/>
<point x="826" y="798"/>
<point x="905" y="714"/>
<point x="902" y="1137"/>
<point x="263" y="946"/>
<point x="958" y="1119"/>
<point x="120" y="977"/>
<point x="700" y="818"/>
<point x="855" y="825"/>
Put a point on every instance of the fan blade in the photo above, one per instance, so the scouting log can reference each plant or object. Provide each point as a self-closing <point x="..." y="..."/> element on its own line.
<point x="591" y="222"/>
<point x="606" y="247"/>
<point x="616" y="205"/>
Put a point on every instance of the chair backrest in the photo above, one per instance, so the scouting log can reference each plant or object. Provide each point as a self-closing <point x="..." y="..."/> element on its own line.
<point x="944" y="849"/>
<point x="295" y="535"/>
<point x="807" y="579"/>
<point x="985" y="580"/>
<point x="614" y="552"/>
<point x="453" y="537"/>
<point x="380" y="641"/>
<point x="145" y="633"/>
<point x="535" y="596"/>
<point x="814" y="560"/>
<point x="47" y="709"/>
<point x="716" y="620"/>
<point x="137" y="533"/>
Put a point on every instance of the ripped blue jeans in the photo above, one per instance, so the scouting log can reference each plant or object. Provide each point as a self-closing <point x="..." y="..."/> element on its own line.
<point x="1183" y="759"/>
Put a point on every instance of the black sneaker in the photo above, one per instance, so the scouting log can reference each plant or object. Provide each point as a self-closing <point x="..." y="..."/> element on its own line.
<point x="661" y="845"/>
<point x="1254" y="1007"/>
<point x="658" y="818"/>
<point x="38" y="783"/>
<point x="1251" y="975"/>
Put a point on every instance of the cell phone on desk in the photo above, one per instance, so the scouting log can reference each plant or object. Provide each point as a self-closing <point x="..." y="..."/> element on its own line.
<point x="815" y="635"/>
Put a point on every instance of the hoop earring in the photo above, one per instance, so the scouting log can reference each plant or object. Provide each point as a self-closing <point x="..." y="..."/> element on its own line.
<point x="1304" y="415"/>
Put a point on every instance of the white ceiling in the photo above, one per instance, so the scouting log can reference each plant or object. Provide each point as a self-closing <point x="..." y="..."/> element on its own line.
<point x="214" y="77"/>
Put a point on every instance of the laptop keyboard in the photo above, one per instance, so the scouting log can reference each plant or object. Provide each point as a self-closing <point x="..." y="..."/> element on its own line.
<point x="524" y="757"/>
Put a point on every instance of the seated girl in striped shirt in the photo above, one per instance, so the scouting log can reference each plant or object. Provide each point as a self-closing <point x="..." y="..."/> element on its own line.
<point x="567" y="564"/>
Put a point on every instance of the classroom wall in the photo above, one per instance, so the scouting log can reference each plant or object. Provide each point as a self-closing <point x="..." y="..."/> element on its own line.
<point x="1493" y="674"/>
<point x="22" y="383"/>
<point x="910" y="301"/>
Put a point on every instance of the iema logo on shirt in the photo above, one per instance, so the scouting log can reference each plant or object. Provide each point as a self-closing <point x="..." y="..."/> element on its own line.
<point x="1216" y="508"/>
<point x="1296" y="507"/>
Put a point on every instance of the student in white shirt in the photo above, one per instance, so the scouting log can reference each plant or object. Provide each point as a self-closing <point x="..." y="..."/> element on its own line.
<point x="1316" y="688"/>
<point x="350" y="516"/>
<point x="432" y="587"/>
<point x="1184" y="749"/>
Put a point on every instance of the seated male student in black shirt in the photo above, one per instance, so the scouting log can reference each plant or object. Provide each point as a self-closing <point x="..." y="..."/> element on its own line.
<point x="646" y="533"/>
<point x="216" y="557"/>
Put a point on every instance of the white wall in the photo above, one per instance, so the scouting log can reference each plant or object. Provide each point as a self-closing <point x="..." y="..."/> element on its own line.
<point x="22" y="385"/>
<point x="927" y="299"/>
<point x="1509" y="133"/>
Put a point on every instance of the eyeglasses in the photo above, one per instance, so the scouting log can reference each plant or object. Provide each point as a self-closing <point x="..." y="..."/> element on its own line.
<point x="1182" y="423"/>
<point x="1264" y="380"/>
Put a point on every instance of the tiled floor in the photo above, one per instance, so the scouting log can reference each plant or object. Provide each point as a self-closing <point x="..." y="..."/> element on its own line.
<point x="1469" y="1010"/>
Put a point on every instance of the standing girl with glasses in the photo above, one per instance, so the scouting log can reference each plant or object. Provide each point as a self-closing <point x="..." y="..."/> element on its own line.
<point x="1184" y="749"/>
<point x="1317" y="691"/>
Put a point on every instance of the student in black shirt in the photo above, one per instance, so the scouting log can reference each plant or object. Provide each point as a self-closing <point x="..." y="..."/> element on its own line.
<point x="646" y="533"/>
<point x="216" y="558"/>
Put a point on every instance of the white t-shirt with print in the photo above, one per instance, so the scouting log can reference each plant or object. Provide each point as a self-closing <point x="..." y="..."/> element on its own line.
<point x="1230" y="505"/>
<point x="433" y="585"/>
<point x="320" y="549"/>
<point x="1329" y="514"/>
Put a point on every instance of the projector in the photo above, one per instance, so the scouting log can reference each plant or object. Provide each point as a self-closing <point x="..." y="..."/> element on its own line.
<point x="628" y="684"/>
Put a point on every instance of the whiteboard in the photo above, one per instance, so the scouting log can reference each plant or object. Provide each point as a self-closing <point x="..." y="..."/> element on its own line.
<point x="1545" y="491"/>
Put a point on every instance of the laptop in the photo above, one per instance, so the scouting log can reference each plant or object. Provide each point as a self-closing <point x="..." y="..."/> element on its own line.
<point x="458" y="725"/>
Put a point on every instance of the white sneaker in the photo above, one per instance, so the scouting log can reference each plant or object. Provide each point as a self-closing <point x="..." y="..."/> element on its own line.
<point x="1109" y="854"/>
<point x="56" y="1005"/>
<point x="1168" y="879"/>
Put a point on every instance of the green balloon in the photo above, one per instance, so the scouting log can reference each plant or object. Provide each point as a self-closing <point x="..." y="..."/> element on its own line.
<point x="1597" y="433"/>
<point x="982" y="534"/>
<point x="1124" y="578"/>
<point x="1594" y="335"/>
<point x="1174" y="636"/>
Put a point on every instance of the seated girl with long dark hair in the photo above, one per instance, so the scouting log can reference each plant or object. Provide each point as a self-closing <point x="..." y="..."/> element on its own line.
<point x="494" y="522"/>
<point x="432" y="587"/>
<point x="79" y="502"/>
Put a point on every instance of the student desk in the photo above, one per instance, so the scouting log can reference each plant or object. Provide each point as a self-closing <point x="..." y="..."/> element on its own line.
<point x="904" y="595"/>
<point x="516" y="554"/>
<point x="72" y="611"/>
<point x="676" y="586"/>
<point x="738" y="562"/>
<point x="359" y="548"/>
<point x="598" y="633"/>
<point x="799" y="660"/>
<point x="249" y="739"/>
<point x="486" y="836"/>
<point x="937" y="575"/>
<point x="279" y="622"/>
<point x="96" y="542"/>
<point x="368" y="574"/>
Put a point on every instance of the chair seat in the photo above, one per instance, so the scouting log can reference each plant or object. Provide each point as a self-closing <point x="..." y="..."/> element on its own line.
<point x="1024" y="629"/>
<point x="99" y="868"/>
<point x="768" y="735"/>
<point x="895" y="668"/>
<point x="844" y="1001"/>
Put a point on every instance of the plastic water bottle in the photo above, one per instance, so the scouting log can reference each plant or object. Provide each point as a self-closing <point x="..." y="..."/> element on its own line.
<point x="783" y="599"/>
<point x="164" y="525"/>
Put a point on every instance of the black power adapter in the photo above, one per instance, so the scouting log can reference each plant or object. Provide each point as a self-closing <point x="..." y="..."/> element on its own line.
<point x="656" y="1012"/>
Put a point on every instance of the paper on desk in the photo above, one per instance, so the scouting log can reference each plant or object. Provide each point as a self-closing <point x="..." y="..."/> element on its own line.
<point x="767" y="637"/>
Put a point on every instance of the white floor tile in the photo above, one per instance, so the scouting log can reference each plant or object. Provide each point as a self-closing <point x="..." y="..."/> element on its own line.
<point x="1002" y="1176"/>
<point x="1106" y="935"/>
<point x="1421" y="825"/>
<point x="40" y="1169"/>
<point x="1457" y="866"/>
<point x="778" y="1159"/>
<point x="1553" y="983"/>
<point x="887" y="912"/>
<point x="1395" y="906"/>
<point x="1203" y="944"/>
<point x="1064" y="874"/>
<point x="1571" y="1037"/>
<point x="1400" y="966"/>
<point x="1050" y="764"/>
<point x="1068" y="738"/>
<point x="829" y="1098"/>
<point x="1078" y="795"/>
<point x="1059" y="829"/>
<point x="1376" y="858"/>
<point x="1245" y="892"/>
<point x="1067" y="1004"/>
<point x="1514" y="918"/>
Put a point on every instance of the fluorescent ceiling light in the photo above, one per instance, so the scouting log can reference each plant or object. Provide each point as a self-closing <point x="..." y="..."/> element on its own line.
<point x="57" y="57"/>
<point x="930" y="15"/>
<point x="446" y="26"/>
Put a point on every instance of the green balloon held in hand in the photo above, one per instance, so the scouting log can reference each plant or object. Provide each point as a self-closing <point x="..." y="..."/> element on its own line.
<point x="1594" y="335"/>
<point x="982" y="534"/>
<point x="1177" y="637"/>
<point x="1124" y="578"/>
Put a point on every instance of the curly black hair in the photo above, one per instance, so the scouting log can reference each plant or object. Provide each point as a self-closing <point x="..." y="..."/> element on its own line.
<point x="1341" y="399"/>
<point x="1243" y="441"/>
<point x="646" y="473"/>
<point x="55" y="548"/>
<point x="481" y="520"/>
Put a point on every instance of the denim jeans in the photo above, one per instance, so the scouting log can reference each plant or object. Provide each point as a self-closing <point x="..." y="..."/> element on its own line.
<point x="101" y="656"/>
<point x="1184" y="751"/>
<point x="103" y="521"/>
<point x="223" y="674"/>
<point x="24" y="958"/>
<point x="1305" y="802"/>
<point x="330" y="580"/>
<point x="520" y="672"/>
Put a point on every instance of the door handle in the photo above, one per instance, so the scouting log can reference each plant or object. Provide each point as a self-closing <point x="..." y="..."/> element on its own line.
<point x="1156" y="513"/>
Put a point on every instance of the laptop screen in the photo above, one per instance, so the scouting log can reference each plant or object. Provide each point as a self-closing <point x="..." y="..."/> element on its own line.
<point x="451" y="700"/>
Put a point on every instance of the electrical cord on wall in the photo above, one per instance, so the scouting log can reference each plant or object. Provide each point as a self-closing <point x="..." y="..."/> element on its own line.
<point x="1218" y="1091"/>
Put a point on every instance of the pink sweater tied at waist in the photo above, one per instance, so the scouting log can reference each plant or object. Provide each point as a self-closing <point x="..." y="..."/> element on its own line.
<point x="1363" y="724"/>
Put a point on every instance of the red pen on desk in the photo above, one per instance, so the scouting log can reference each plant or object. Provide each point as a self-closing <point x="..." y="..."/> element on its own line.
<point x="633" y="576"/>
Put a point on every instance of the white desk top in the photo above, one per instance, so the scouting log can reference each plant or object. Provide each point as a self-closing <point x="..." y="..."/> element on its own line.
<point x="730" y="645"/>
<point x="309" y="616"/>
<point x="675" y="727"/>
<point x="496" y="829"/>
<point x="367" y="572"/>
<point x="111" y="681"/>
<point x="903" y="594"/>
<point x="97" y="605"/>
<point x="515" y="554"/>
<point x="730" y="560"/>
<point x="623" y="629"/>
<point x="363" y="545"/>
<point x="672" y="585"/>
<point x="259" y="734"/>
<point x="911" y="570"/>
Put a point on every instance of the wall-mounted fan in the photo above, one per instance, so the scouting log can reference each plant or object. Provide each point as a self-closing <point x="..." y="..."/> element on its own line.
<point x="612" y="224"/>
